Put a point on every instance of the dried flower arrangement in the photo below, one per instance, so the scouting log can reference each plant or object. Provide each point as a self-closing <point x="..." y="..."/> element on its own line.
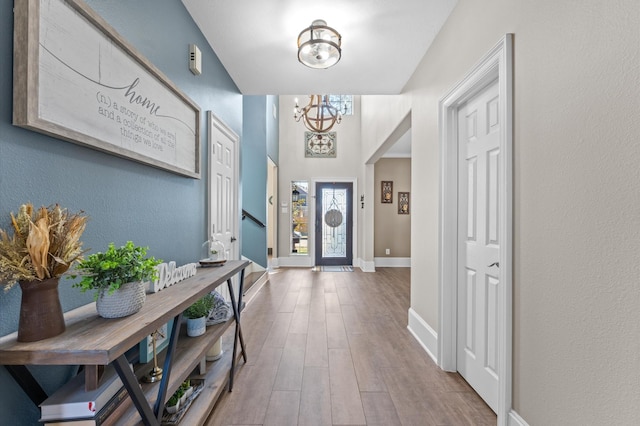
<point x="45" y="243"/>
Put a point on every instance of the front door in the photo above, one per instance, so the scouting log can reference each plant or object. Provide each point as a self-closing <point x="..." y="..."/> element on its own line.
<point x="478" y="243"/>
<point x="334" y="223"/>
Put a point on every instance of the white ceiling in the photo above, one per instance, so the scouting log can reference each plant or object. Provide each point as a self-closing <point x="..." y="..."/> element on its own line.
<point x="382" y="42"/>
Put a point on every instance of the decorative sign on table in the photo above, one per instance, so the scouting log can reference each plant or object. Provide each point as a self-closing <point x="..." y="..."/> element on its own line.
<point x="77" y="79"/>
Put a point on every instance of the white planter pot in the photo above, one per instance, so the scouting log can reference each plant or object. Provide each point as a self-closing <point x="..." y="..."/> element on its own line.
<point x="196" y="327"/>
<point x="125" y="301"/>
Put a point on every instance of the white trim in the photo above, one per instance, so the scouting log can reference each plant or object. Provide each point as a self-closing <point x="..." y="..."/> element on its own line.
<point x="497" y="64"/>
<point x="392" y="262"/>
<point x="364" y="265"/>
<point x="424" y="334"/>
<point x="294" y="261"/>
<point x="516" y="420"/>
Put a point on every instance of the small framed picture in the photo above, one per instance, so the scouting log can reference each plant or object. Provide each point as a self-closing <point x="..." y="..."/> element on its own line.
<point x="162" y="341"/>
<point x="403" y="203"/>
<point x="387" y="192"/>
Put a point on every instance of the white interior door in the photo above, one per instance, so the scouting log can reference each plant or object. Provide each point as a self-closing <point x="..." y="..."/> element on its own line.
<point x="478" y="244"/>
<point x="223" y="187"/>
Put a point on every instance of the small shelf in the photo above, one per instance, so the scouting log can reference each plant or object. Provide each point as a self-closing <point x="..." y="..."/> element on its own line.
<point x="189" y="353"/>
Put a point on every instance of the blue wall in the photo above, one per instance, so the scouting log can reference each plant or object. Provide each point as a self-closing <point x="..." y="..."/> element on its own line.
<point x="260" y="135"/>
<point x="124" y="199"/>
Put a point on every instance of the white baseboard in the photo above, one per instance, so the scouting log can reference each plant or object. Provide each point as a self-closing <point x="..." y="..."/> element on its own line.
<point x="393" y="262"/>
<point x="424" y="334"/>
<point x="516" y="420"/>
<point x="294" y="262"/>
<point x="364" y="265"/>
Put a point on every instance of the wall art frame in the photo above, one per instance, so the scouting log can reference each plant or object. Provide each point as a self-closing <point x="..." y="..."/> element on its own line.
<point x="75" y="78"/>
<point x="386" y="195"/>
<point x="320" y="145"/>
<point x="162" y="341"/>
<point x="403" y="203"/>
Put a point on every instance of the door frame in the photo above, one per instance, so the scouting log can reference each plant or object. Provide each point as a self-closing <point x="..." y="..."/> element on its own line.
<point x="354" y="218"/>
<point x="350" y="215"/>
<point x="495" y="65"/>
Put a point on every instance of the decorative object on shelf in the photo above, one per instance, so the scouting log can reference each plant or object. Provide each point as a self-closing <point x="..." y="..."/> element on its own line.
<point x="118" y="277"/>
<point x="197" y="314"/>
<point x="214" y="253"/>
<point x="403" y="203"/>
<point x="172" y="418"/>
<point x="169" y="275"/>
<point x="162" y="341"/>
<point x="155" y="374"/>
<point x="215" y="352"/>
<point x="319" y="115"/>
<point x="319" y="46"/>
<point x="387" y="192"/>
<point x="221" y="310"/>
<point x="320" y="145"/>
<point x="45" y="243"/>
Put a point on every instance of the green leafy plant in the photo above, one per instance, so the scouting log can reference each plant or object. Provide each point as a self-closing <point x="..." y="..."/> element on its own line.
<point x="115" y="267"/>
<point x="175" y="397"/>
<point x="200" y="307"/>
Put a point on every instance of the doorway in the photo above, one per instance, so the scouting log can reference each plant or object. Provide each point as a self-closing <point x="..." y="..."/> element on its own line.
<point x="463" y="273"/>
<point x="223" y="205"/>
<point x="334" y="224"/>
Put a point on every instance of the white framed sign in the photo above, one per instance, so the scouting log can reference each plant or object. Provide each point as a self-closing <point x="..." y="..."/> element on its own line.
<point x="77" y="79"/>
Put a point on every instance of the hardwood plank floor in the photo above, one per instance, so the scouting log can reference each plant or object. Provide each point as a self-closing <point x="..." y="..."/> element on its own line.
<point x="332" y="348"/>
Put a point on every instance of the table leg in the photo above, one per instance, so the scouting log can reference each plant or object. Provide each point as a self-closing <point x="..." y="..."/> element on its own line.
<point x="238" y="333"/>
<point x="135" y="392"/>
<point x="27" y="382"/>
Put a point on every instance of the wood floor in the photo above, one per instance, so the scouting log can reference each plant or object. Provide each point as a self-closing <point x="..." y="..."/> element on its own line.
<point x="332" y="348"/>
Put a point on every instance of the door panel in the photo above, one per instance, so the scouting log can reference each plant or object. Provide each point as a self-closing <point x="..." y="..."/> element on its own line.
<point x="334" y="219"/>
<point x="223" y="187"/>
<point x="478" y="245"/>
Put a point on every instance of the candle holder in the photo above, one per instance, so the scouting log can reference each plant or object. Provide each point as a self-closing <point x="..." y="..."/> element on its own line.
<point x="155" y="374"/>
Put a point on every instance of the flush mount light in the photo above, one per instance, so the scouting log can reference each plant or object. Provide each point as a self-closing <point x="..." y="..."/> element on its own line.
<point x="319" y="45"/>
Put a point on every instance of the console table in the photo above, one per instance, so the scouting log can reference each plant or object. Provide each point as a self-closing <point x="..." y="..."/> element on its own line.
<point x="92" y="341"/>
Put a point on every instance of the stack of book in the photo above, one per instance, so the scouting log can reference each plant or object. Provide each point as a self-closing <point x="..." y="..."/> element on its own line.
<point x="72" y="405"/>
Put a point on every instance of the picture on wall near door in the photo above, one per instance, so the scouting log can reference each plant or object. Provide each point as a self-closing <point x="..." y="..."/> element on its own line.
<point x="403" y="203"/>
<point x="387" y="192"/>
<point x="320" y="145"/>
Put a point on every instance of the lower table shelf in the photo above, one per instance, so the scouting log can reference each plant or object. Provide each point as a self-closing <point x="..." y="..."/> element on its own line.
<point x="189" y="353"/>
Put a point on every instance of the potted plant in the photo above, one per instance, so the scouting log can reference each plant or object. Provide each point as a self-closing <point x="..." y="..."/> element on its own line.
<point x="118" y="277"/>
<point x="173" y="404"/>
<point x="44" y="244"/>
<point x="197" y="315"/>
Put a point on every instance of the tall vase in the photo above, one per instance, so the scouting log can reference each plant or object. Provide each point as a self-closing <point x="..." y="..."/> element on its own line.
<point x="41" y="314"/>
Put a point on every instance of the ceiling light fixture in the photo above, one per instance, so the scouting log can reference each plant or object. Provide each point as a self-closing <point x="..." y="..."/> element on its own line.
<point x="319" y="115"/>
<point x="319" y="45"/>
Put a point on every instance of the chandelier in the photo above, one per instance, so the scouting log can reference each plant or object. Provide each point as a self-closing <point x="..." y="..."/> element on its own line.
<point x="319" y="45"/>
<point x="319" y="115"/>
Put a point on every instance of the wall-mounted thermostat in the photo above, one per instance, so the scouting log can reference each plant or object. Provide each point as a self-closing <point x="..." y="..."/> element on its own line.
<point x="195" y="59"/>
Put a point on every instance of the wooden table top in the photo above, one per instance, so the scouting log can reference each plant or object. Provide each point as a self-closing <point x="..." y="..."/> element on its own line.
<point x="92" y="340"/>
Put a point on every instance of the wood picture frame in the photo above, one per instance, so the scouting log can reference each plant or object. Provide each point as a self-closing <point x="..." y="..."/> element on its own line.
<point x="75" y="78"/>
<point x="146" y="345"/>
<point x="386" y="196"/>
<point x="403" y="203"/>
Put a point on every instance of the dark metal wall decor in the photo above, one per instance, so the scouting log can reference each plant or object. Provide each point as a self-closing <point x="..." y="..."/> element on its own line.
<point x="403" y="203"/>
<point x="387" y="192"/>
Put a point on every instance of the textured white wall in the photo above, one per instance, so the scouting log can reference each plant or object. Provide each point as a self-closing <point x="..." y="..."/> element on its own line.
<point x="576" y="197"/>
